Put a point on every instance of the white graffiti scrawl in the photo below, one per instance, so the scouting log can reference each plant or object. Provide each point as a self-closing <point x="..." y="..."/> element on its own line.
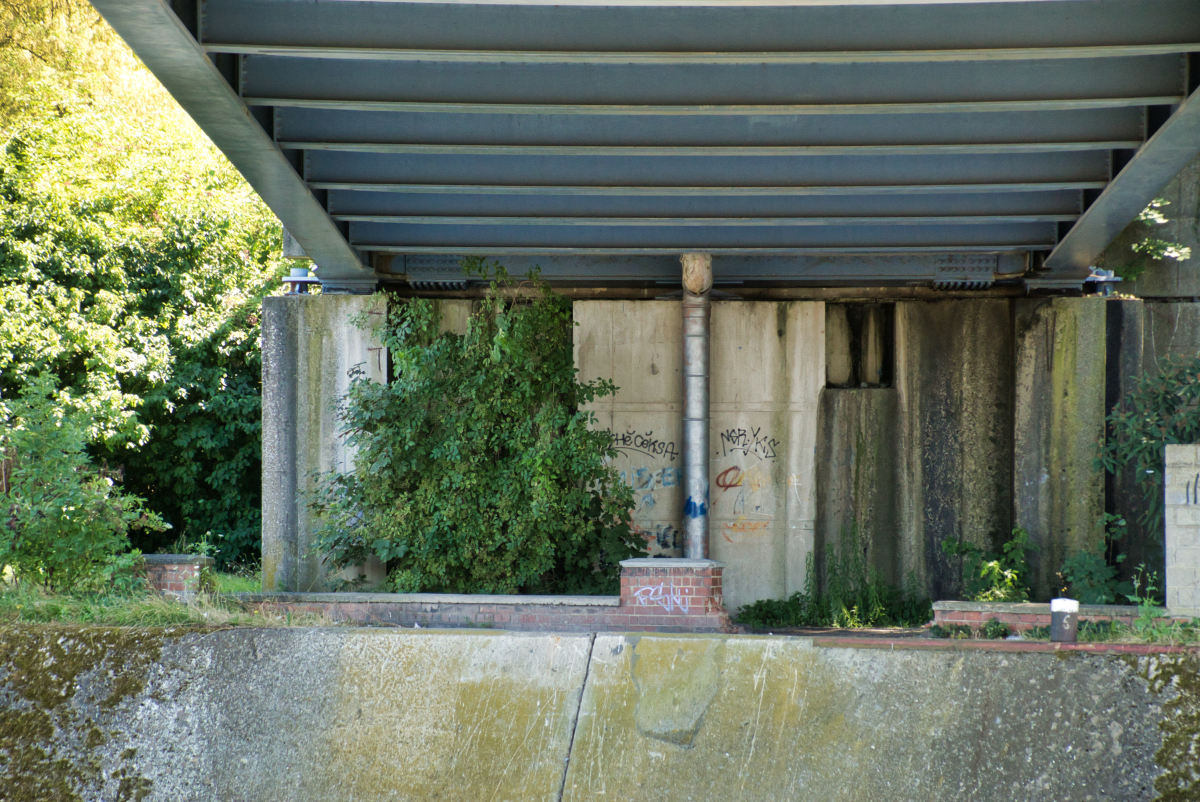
<point x="664" y="597"/>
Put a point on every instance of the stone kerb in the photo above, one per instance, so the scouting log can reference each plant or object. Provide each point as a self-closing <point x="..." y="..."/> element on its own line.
<point x="1182" y="533"/>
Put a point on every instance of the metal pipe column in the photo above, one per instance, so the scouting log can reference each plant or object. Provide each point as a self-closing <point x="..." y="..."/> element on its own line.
<point x="697" y="281"/>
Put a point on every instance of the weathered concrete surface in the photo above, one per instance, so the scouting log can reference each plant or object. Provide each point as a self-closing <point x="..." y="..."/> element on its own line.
<point x="767" y="368"/>
<point x="1058" y="493"/>
<point x="856" y="475"/>
<point x="1172" y="331"/>
<point x="289" y="714"/>
<point x="309" y="348"/>
<point x="1124" y="325"/>
<point x="341" y="714"/>
<point x="693" y="718"/>
<point x="954" y="369"/>
<point x="639" y="347"/>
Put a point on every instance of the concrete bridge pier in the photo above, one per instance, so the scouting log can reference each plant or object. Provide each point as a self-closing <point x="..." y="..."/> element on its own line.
<point x="309" y="347"/>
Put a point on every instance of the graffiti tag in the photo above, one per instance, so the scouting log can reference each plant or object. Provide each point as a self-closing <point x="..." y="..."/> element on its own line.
<point x="644" y="443"/>
<point x="749" y="442"/>
<point x="666" y="598"/>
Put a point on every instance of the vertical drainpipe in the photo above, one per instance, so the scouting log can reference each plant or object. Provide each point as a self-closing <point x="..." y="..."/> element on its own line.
<point x="697" y="281"/>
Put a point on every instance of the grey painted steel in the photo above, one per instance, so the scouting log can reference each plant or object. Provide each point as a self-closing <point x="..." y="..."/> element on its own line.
<point x="1001" y="236"/>
<point x="727" y="268"/>
<point x="847" y="85"/>
<point x="763" y="57"/>
<point x="349" y="188"/>
<point x="1067" y="204"/>
<point x="1166" y="153"/>
<point x="717" y="151"/>
<point x="583" y="127"/>
<point x="737" y="27"/>
<point x="696" y="313"/>
<point x="715" y="110"/>
<point x="859" y="170"/>
<point x="162" y="42"/>
<point x="1076" y="125"/>
<point x="449" y="220"/>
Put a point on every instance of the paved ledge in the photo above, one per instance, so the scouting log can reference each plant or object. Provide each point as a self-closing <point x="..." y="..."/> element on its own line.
<point x="1031" y="608"/>
<point x="177" y="559"/>
<point x="953" y="645"/>
<point x="425" y="598"/>
<point x="667" y="563"/>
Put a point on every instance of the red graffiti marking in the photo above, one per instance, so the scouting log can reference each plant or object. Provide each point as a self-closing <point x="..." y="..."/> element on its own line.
<point x="730" y="477"/>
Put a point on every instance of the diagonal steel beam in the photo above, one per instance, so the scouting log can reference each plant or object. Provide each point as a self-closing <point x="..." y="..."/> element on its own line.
<point x="1171" y="148"/>
<point x="164" y="45"/>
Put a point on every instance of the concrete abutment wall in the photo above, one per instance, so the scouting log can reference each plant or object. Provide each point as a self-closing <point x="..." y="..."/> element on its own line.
<point x="331" y="714"/>
<point x="989" y="399"/>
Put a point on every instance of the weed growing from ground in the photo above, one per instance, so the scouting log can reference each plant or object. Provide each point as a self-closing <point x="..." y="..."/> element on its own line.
<point x="854" y="596"/>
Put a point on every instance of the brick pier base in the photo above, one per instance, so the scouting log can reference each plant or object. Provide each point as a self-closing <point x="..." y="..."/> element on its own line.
<point x="175" y="575"/>
<point x="657" y="595"/>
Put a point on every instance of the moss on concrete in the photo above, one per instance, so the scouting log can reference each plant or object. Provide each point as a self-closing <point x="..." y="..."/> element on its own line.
<point x="1177" y="676"/>
<point x="50" y="678"/>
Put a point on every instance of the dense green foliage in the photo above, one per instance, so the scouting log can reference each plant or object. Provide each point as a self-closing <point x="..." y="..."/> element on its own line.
<point x="64" y="524"/>
<point x="852" y="595"/>
<point x="133" y="258"/>
<point x="989" y="577"/>
<point x="1162" y="408"/>
<point x="477" y="471"/>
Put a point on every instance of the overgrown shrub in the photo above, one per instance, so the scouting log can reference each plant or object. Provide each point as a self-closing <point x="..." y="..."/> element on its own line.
<point x="63" y="524"/>
<point x="1091" y="575"/>
<point x="990" y="577"/>
<point x="853" y="596"/>
<point x="476" y="470"/>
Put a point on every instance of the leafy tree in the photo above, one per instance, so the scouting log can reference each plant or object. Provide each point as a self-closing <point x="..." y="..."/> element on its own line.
<point x="63" y="524"/>
<point x="476" y="470"/>
<point x="133" y="259"/>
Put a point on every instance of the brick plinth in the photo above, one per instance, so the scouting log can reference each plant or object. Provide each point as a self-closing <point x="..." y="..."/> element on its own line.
<point x="657" y="595"/>
<point x="175" y="575"/>
<point x="1024" y="617"/>
<point x="673" y="595"/>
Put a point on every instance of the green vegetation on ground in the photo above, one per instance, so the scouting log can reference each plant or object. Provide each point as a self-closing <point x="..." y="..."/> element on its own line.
<point x="990" y="576"/>
<point x="477" y="469"/>
<point x="139" y="608"/>
<point x="851" y="595"/>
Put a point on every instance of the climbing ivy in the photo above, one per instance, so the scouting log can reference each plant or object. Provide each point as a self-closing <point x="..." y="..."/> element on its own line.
<point x="476" y="470"/>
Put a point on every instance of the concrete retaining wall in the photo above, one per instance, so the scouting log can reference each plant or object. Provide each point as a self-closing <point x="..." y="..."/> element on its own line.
<point x="367" y="715"/>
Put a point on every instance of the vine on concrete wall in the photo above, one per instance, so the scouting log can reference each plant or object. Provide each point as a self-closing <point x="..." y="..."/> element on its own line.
<point x="477" y="471"/>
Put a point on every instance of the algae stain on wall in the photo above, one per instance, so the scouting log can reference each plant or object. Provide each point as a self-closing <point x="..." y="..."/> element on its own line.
<point x="477" y="716"/>
<point x="61" y="690"/>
